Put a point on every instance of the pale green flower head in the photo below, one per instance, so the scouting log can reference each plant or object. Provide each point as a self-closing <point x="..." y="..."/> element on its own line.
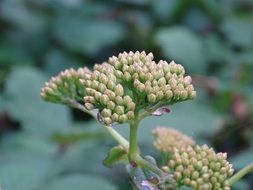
<point x="200" y="168"/>
<point x="66" y="86"/>
<point x="122" y="87"/>
<point x="167" y="139"/>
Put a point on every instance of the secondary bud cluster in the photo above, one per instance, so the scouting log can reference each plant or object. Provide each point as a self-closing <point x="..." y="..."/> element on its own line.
<point x="65" y="86"/>
<point x="162" y="82"/>
<point x="105" y="93"/>
<point x="200" y="168"/>
<point x="167" y="139"/>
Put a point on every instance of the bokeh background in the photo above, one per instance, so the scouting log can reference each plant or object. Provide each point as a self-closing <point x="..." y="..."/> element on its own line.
<point x="52" y="147"/>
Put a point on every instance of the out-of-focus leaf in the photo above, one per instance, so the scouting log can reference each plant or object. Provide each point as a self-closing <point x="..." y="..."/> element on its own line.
<point x="116" y="154"/>
<point x="87" y="36"/>
<point x="84" y="156"/>
<point x="197" y="20"/>
<point x="183" y="46"/>
<point x="214" y="50"/>
<point x="79" y="182"/>
<point x="23" y="103"/>
<point x="24" y="175"/>
<point x="242" y="184"/>
<point x="239" y="32"/>
<point x="20" y="16"/>
<point x="23" y="147"/>
<point x="163" y="9"/>
<point x="56" y="61"/>
<point x="244" y="158"/>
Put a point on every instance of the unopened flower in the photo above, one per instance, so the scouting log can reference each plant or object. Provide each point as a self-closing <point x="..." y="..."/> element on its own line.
<point x="65" y="86"/>
<point x="167" y="139"/>
<point x="117" y="87"/>
<point x="200" y="168"/>
<point x="155" y="82"/>
<point x="105" y="93"/>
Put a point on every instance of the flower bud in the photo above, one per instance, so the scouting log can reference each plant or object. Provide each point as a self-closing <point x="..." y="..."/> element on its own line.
<point x="119" y="110"/>
<point x="131" y="106"/>
<point x="119" y="100"/>
<point x="130" y="115"/>
<point x="89" y="106"/>
<point x="209" y="176"/>
<point x="107" y="120"/>
<point x="152" y="98"/>
<point x="110" y="105"/>
<point x="119" y="91"/>
<point x="123" y="118"/>
<point x="106" y="113"/>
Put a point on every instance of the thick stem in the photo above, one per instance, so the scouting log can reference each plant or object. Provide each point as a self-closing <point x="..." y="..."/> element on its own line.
<point x="240" y="174"/>
<point x="133" y="148"/>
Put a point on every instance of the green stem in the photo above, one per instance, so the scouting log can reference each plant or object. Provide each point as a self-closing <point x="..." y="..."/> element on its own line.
<point x="247" y="169"/>
<point x="133" y="148"/>
<point x="149" y="166"/>
<point x="120" y="139"/>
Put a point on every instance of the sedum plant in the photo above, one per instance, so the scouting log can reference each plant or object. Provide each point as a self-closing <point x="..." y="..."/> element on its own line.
<point x="127" y="89"/>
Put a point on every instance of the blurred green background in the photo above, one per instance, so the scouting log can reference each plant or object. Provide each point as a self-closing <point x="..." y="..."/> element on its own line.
<point x="51" y="147"/>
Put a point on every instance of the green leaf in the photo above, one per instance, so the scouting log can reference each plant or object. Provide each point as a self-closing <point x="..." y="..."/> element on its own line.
<point x="17" y="14"/>
<point x="56" y="61"/>
<point x="238" y="31"/>
<point x="84" y="156"/>
<point x="80" y="182"/>
<point x="23" y="147"/>
<point x="243" y="159"/>
<point x="24" y="175"/>
<point x="116" y="154"/>
<point x="180" y="44"/>
<point x="23" y="103"/>
<point x="87" y="36"/>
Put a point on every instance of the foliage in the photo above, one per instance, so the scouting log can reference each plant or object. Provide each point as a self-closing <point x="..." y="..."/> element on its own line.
<point x="40" y="38"/>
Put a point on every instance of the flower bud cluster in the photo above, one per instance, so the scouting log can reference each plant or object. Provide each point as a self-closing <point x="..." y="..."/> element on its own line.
<point x="65" y="86"/>
<point x="200" y="168"/>
<point x="167" y="139"/>
<point x="162" y="82"/>
<point x="111" y="87"/>
<point x="105" y="93"/>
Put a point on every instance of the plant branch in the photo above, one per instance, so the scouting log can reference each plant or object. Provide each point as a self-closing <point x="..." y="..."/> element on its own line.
<point x="133" y="148"/>
<point x="120" y="139"/>
<point x="149" y="166"/>
<point x="247" y="169"/>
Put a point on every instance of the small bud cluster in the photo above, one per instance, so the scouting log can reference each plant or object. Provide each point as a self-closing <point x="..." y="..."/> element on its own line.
<point x="105" y="93"/>
<point x="200" y="168"/>
<point x="65" y="86"/>
<point x="167" y="139"/>
<point x="157" y="82"/>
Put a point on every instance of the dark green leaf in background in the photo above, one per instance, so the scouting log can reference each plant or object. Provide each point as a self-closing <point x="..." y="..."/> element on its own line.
<point x="39" y="118"/>
<point x="180" y="44"/>
<point x="87" y="36"/>
<point x="80" y="182"/>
